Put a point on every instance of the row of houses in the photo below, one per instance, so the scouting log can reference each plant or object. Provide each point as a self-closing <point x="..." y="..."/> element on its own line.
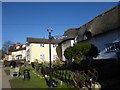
<point x="103" y="31"/>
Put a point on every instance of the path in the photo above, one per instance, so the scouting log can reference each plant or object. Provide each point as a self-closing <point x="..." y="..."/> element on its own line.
<point x="4" y="79"/>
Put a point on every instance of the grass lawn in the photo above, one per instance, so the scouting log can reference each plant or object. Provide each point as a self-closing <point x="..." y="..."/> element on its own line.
<point x="34" y="82"/>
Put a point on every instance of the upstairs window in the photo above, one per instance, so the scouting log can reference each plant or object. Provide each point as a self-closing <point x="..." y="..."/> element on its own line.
<point x="17" y="47"/>
<point x="42" y="56"/>
<point x="41" y="45"/>
<point x="55" y="45"/>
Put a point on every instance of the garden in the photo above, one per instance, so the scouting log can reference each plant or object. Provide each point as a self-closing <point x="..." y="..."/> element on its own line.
<point x="36" y="80"/>
<point x="79" y="71"/>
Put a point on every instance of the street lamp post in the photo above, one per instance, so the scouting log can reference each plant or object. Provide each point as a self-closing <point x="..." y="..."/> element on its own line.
<point x="49" y="31"/>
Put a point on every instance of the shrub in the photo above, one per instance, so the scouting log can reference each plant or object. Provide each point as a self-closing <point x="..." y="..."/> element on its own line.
<point x="81" y="51"/>
<point x="6" y="63"/>
<point x="58" y="63"/>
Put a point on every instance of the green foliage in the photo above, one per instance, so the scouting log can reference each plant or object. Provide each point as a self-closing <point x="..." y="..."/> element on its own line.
<point x="6" y="63"/>
<point x="93" y="52"/>
<point x="68" y="53"/>
<point x="45" y="65"/>
<point x="81" y="51"/>
<point x="58" y="63"/>
<point x="38" y="66"/>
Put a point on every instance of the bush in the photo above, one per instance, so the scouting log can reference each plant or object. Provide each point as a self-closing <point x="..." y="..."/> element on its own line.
<point x="33" y="65"/>
<point x="6" y="63"/>
<point x="58" y="63"/>
<point x="81" y="51"/>
<point x="38" y="67"/>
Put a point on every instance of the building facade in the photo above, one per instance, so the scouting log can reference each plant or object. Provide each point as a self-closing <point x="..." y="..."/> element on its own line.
<point x="100" y="31"/>
<point x="17" y="52"/>
<point x="38" y="49"/>
<point x="65" y="43"/>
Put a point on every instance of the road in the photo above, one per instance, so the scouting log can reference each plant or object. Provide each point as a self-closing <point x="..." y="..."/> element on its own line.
<point x="4" y="79"/>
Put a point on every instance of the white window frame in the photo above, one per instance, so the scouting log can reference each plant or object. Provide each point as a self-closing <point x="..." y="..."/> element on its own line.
<point x="42" y="56"/>
<point x="42" y="45"/>
<point x="55" y="45"/>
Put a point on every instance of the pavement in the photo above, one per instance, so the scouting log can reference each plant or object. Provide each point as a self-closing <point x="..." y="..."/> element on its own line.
<point x="4" y="79"/>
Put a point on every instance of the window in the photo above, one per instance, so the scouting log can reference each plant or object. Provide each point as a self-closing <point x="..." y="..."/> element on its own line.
<point x="112" y="47"/>
<point x="54" y="45"/>
<point x="42" y="56"/>
<point x="55" y="57"/>
<point x="17" y="47"/>
<point x="23" y="46"/>
<point x="87" y="34"/>
<point x="41" y="45"/>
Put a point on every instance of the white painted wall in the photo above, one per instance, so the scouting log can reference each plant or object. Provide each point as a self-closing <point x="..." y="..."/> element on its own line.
<point x="66" y="44"/>
<point x="28" y="52"/>
<point x="9" y="57"/>
<point x="20" y="52"/>
<point x="105" y="38"/>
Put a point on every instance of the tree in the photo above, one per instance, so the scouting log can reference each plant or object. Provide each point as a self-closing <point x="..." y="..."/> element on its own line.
<point x="68" y="53"/>
<point x="81" y="51"/>
<point x="6" y="46"/>
<point x="93" y="52"/>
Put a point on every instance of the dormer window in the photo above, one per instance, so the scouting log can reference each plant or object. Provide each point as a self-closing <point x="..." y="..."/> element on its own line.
<point x="87" y="34"/>
<point x="41" y="45"/>
<point x="17" y="47"/>
<point x="23" y="46"/>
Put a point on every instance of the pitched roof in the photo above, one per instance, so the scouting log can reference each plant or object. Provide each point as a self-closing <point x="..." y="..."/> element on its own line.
<point x="72" y="32"/>
<point x="66" y="39"/>
<point x="41" y="40"/>
<point x="14" y="47"/>
<point x="102" y="23"/>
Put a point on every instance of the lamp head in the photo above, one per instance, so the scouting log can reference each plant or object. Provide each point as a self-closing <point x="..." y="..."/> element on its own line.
<point x="49" y="29"/>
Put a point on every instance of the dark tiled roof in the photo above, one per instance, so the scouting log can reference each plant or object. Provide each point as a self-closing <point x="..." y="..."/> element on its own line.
<point x="41" y="40"/>
<point x="13" y="48"/>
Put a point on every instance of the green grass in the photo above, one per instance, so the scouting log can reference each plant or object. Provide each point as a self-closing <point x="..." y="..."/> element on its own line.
<point x="34" y="82"/>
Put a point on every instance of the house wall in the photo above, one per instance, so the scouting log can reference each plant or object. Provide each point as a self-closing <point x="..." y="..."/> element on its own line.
<point x="10" y="57"/>
<point x="28" y="52"/>
<point x="41" y="53"/>
<point x="66" y="44"/>
<point x="20" y="52"/>
<point x="102" y="39"/>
